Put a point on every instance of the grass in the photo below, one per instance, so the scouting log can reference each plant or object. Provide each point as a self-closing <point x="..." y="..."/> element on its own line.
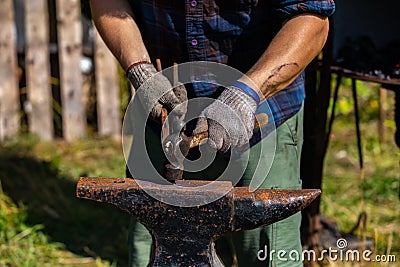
<point x="43" y="224"/>
<point x="348" y="191"/>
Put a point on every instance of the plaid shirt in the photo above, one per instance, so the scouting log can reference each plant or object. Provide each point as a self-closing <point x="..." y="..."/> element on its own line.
<point x="232" y="32"/>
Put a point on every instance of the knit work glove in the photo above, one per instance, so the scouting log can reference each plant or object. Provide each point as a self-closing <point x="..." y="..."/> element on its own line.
<point x="229" y="119"/>
<point x="155" y="92"/>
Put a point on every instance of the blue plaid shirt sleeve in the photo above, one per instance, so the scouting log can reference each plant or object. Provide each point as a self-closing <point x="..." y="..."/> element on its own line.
<point x="290" y="8"/>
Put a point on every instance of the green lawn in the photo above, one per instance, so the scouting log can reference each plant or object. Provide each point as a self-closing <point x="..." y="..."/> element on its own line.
<point x="347" y="191"/>
<point x="43" y="224"/>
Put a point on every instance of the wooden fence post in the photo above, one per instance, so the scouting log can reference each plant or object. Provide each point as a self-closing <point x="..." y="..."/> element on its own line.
<point x="70" y="52"/>
<point x="107" y="90"/>
<point x="9" y="93"/>
<point x="38" y="68"/>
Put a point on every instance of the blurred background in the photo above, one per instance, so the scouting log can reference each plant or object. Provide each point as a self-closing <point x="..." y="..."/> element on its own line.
<point x="62" y="102"/>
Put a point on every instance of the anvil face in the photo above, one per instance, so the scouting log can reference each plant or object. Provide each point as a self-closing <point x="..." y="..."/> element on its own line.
<point x="183" y="236"/>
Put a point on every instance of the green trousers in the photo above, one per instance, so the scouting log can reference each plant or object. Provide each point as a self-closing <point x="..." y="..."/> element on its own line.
<point x="273" y="245"/>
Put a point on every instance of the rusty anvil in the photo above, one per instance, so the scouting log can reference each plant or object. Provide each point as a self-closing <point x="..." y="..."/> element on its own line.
<point x="184" y="236"/>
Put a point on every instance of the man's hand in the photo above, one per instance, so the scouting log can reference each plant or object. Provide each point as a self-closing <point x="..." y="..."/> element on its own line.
<point x="155" y="91"/>
<point x="229" y="120"/>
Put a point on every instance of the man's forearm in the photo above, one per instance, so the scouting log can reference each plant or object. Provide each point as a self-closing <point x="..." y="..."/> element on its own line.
<point x="292" y="49"/>
<point x="115" y="23"/>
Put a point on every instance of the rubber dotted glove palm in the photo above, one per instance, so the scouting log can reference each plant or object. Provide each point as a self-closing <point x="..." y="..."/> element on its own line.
<point x="155" y="91"/>
<point x="229" y="119"/>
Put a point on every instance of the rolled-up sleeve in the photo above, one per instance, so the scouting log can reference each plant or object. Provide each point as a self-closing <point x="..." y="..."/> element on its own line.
<point x="290" y="8"/>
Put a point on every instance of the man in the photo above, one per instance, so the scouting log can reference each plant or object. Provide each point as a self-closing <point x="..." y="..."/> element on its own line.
<point x="271" y="42"/>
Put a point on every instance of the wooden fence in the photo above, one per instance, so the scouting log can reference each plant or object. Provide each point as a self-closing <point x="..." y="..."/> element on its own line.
<point x="38" y="105"/>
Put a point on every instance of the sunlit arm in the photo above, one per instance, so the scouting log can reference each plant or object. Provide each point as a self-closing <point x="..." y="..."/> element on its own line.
<point x="115" y="23"/>
<point x="296" y="44"/>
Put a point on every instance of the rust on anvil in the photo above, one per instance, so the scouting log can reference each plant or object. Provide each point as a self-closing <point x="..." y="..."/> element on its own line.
<point x="184" y="236"/>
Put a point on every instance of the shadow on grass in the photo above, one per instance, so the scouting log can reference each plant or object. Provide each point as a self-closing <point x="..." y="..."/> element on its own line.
<point x="86" y="228"/>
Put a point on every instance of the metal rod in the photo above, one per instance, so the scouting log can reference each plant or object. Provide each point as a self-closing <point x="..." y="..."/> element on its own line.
<point x="332" y="117"/>
<point x="357" y="117"/>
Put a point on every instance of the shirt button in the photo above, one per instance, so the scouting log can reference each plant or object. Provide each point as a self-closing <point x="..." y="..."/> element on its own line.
<point x="193" y="3"/>
<point x="194" y="42"/>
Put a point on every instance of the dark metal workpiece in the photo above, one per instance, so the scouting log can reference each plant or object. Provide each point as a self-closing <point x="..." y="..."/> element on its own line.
<point x="184" y="236"/>
<point x="176" y="147"/>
